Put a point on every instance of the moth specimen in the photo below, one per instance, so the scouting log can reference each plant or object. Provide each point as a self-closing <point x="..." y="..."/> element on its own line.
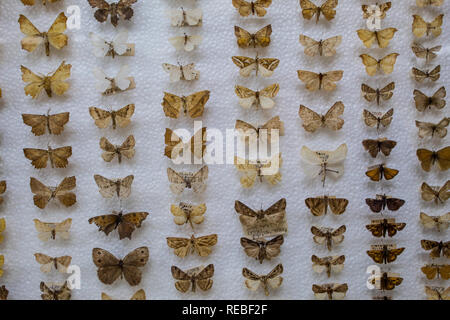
<point x="436" y="248"/>
<point x="261" y="169"/>
<point x="191" y="279"/>
<point x="39" y="124"/>
<point x="257" y="7"/>
<point x="318" y="81"/>
<point x="116" y="47"/>
<point x="246" y="39"/>
<point x="262" y="249"/>
<point x="384" y="253"/>
<point x="428" y="158"/>
<point x="381" y="37"/>
<point x="425" y="53"/>
<point x="321" y="163"/>
<point x="105" y="118"/>
<point x="387" y="281"/>
<point x="108" y="86"/>
<point x="380" y="145"/>
<point x="424" y="102"/>
<point x="382" y="201"/>
<point x="420" y="27"/>
<point x="32" y="2"/>
<point x="180" y="72"/>
<point x="2" y="190"/>
<point x="39" y="157"/>
<point x="326" y="48"/>
<point x="121" y="9"/>
<point x="384" y="93"/>
<point x="52" y="83"/>
<point x="2" y="229"/>
<point x="62" y="192"/>
<point x="327" y="9"/>
<point x="111" y="268"/>
<point x="328" y="236"/>
<point x="184" y="213"/>
<point x="110" y="187"/>
<point x="47" y="263"/>
<point x="379" y="228"/>
<point x="185" y="17"/>
<point x="380" y="13"/>
<point x="187" y="180"/>
<point x="125" y="223"/>
<point x="50" y="230"/>
<point x="424" y="3"/>
<point x="330" y="291"/>
<point x="385" y="64"/>
<point x="420" y="75"/>
<point x="249" y="217"/>
<point x="432" y="271"/>
<point x="331" y="120"/>
<point x="53" y="291"/>
<point x="436" y="193"/>
<point x="138" y="295"/>
<point x="380" y="171"/>
<point x="437" y="293"/>
<point x="319" y="205"/>
<point x="430" y="129"/>
<point x="3" y="293"/>
<point x="175" y="146"/>
<point x="263" y="66"/>
<point x="192" y="105"/>
<point x="184" y="246"/>
<point x="261" y="98"/>
<point x="329" y="264"/>
<point x="185" y="42"/>
<point x="264" y="132"/>
<point x="126" y="149"/>
<point x="438" y="222"/>
<point x="378" y="119"/>
<point x="54" y="37"/>
<point x="272" y="279"/>
<point x="2" y="262"/>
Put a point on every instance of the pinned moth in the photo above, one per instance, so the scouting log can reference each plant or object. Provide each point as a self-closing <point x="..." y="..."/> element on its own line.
<point x="377" y="119"/>
<point x="421" y="75"/>
<point x="262" y="249"/>
<point x="432" y="271"/>
<point x="438" y="222"/>
<point x="63" y="192"/>
<point x="379" y="228"/>
<point x="33" y="2"/>
<point x="327" y="9"/>
<point x="54" y="291"/>
<point x="104" y="118"/>
<point x="330" y="264"/>
<point x="186" y="42"/>
<point x="125" y="223"/>
<point x="272" y="128"/>
<point x="326" y="48"/>
<point x="39" y="124"/>
<point x="261" y="98"/>
<point x="435" y="193"/>
<point x="378" y="172"/>
<point x="184" y="213"/>
<point x="328" y="236"/>
<point x="257" y="7"/>
<point x="175" y="147"/>
<point x="187" y="180"/>
<point x="191" y="279"/>
<point x="428" y="158"/>
<point x="330" y="291"/>
<point x="420" y="27"/>
<point x="425" y="3"/>
<point x="384" y="253"/>
<point x="437" y="293"/>
<point x="436" y="248"/>
<point x="425" y="53"/>
<point x="181" y="72"/>
<point x="116" y="47"/>
<point x="185" y="17"/>
<point x="138" y="295"/>
<point x="424" y="102"/>
<point x="109" y="188"/>
<point x="52" y="230"/>
<point x="379" y="11"/>
<point x="386" y="281"/>
<point x="39" y="157"/>
<point x="121" y="9"/>
<point x="271" y="280"/>
<point x="382" y="201"/>
<point x="318" y="81"/>
<point x="331" y="120"/>
<point x="108" y="86"/>
<point x="262" y="169"/>
<point x="380" y="145"/>
<point x="246" y="39"/>
<point x="263" y="66"/>
<point x="385" y="64"/>
<point x="319" y="205"/>
<point x="380" y="37"/>
<point x="47" y="263"/>
<point x="126" y="149"/>
<point x="431" y="130"/>
<point x="184" y="246"/>
<point x="192" y="105"/>
<point x="378" y="94"/>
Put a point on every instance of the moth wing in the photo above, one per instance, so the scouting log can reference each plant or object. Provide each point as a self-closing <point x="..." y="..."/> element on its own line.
<point x="444" y="192"/>
<point x="57" y="80"/>
<point x="338" y="155"/>
<point x="100" y="46"/>
<point x="107" y="187"/>
<point x="262" y="37"/>
<point x="329" y="46"/>
<point x="370" y="63"/>
<point x="174" y="72"/>
<point x="339" y="291"/>
<point x="35" y="82"/>
<point x="123" y="115"/>
<point x="312" y="47"/>
<point x="179" y="43"/>
<point x="266" y="95"/>
<point x="38" y="157"/>
<point x="63" y="191"/>
<point x="108" y="265"/>
<point x="441" y="130"/>
<point x="317" y="206"/>
<point x="122" y="80"/>
<point x="180" y="217"/>
<point x="311" y="119"/>
<point x="332" y="117"/>
<point x="327" y="9"/>
<point x="62" y="263"/>
<point x="56" y="36"/>
<point x="42" y="193"/>
<point x="388" y="62"/>
<point x="139" y="295"/>
<point x="309" y="156"/>
<point x="425" y="158"/>
<point x="38" y="123"/>
<point x="127" y="147"/>
<point x="195" y="103"/>
<point x="385" y="36"/>
<point x="45" y="261"/>
<point x="436" y="25"/>
<point x="244" y="38"/>
<point x="246" y="96"/>
<point x="172" y="105"/>
<point x="419" y="26"/>
<point x="176" y="17"/>
<point x="197" y="213"/>
<point x="62" y="228"/>
<point x="266" y="66"/>
<point x="194" y="16"/>
<point x="192" y="42"/>
<point x="369" y="118"/>
<point x="244" y="8"/>
<point x="189" y="72"/>
<point x="329" y="79"/>
<point x="309" y="9"/>
<point x="33" y="36"/>
<point x="320" y="292"/>
<point x="57" y="121"/>
<point x="367" y="37"/>
<point x="181" y="246"/>
<point x="136" y="258"/>
<point x="427" y="221"/>
<point x="120" y="42"/>
<point x="59" y="156"/>
<point x="319" y="236"/>
<point x="337" y="205"/>
<point x="311" y="79"/>
<point x="203" y="244"/>
<point x="199" y="180"/>
<point x="177" y="183"/>
<point x="443" y="158"/>
<point x="246" y="65"/>
<point x="249" y="171"/>
<point x="103" y="83"/>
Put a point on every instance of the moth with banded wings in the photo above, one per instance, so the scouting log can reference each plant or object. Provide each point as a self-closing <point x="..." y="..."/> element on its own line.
<point x="425" y="53"/>
<point x="54" y="291"/>
<point x="181" y="72"/>
<point x="138" y="295"/>
<point x="184" y="246"/>
<point x="326" y="48"/>
<point x="125" y="223"/>
<point x="108" y="86"/>
<point x="126" y="149"/>
<point x="379" y="228"/>
<point x="327" y="9"/>
<point x="420" y="27"/>
<point x="431" y="130"/>
<point x="377" y="119"/>
<point x="184" y="213"/>
<point x="186" y="42"/>
<point x="262" y="249"/>
<point x="249" y="217"/>
<point x="421" y="75"/>
<point x="105" y="118"/>
<point x="176" y="147"/>
<point x="185" y="17"/>
<point x="380" y="145"/>
<point x="246" y="39"/>
<point x="272" y="279"/>
<point x="63" y="192"/>
<point x="191" y="279"/>
<point x="267" y="169"/>
<point x="319" y="205"/>
<point x="386" y="281"/>
<point x="378" y="172"/>
<point x="192" y="105"/>
<point x="263" y="66"/>
<point x="432" y="271"/>
<point x="187" y="180"/>
<point x="328" y="236"/>
<point x="384" y="254"/>
<point x="257" y="7"/>
<point x="40" y="124"/>
<point x="260" y="98"/>
<point x="428" y="158"/>
<point x="331" y="119"/>
<point x="435" y="193"/>
<point x="385" y="64"/>
<point x="436" y="248"/>
<point x="437" y="293"/>
<point x="118" y="46"/>
<point x="330" y="291"/>
<point x="39" y="157"/>
<point x="378" y="94"/>
<point x="120" y="9"/>
<point x="318" y="81"/>
<point x="52" y="230"/>
<point x="382" y="201"/>
<point x="424" y="102"/>
<point x="438" y="222"/>
<point x="380" y="37"/>
<point x="48" y="263"/>
<point x="330" y="264"/>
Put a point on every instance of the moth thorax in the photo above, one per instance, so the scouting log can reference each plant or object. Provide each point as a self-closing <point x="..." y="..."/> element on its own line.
<point x="120" y="264"/>
<point x="111" y="50"/>
<point x="260" y="214"/>
<point x="47" y="85"/>
<point x="253" y="7"/>
<point x="187" y="208"/>
<point x="53" y="236"/>
<point x="183" y="100"/>
<point x="187" y="177"/>
<point x="117" y="183"/>
<point x="186" y="38"/>
<point x="53" y="190"/>
<point x="55" y="263"/>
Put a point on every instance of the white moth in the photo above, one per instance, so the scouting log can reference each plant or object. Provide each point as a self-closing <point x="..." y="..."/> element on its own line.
<point x="102" y="48"/>
<point x="185" y="42"/>
<point x="185" y="17"/>
<point x="108" y="85"/>
<point x="180" y="72"/>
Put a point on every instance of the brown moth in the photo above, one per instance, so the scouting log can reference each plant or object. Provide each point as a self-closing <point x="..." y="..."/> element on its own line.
<point x="424" y="3"/>
<point x="39" y="157"/>
<point x="263" y="66"/>
<point x="48" y="263"/>
<point x="263" y="170"/>
<point x="272" y="279"/>
<point x="187" y="180"/>
<point x="126" y="149"/>
<point x="330" y="291"/>
<point x="437" y="293"/>
<point x="425" y="53"/>
<point x="262" y="249"/>
<point x="63" y="192"/>
<point x="429" y="158"/>
<point x="384" y="253"/>
<point x="39" y="124"/>
<point x="430" y="129"/>
<point x="438" y="222"/>
<point x="318" y="81"/>
<point x="382" y="37"/>
<point x="380" y="145"/>
<point x="386" y="281"/>
<point x="249" y="217"/>
<point x="261" y="98"/>
<point x="191" y="279"/>
<point x="245" y="8"/>
<point x="52" y="291"/>
<point x="274" y="125"/>
<point x="326" y="48"/>
<point x="319" y="205"/>
<point x="436" y="193"/>
<point x="382" y="201"/>
<point x="432" y="271"/>
<point x="378" y="172"/>
<point x="384" y="93"/>
<point x="32" y="2"/>
<point x="175" y="147"/>
<point x="424" y="102"/>
<point x="124" y="223"/>
<point x="329" y="264"/>
<point x="420" y="27"/>
<point x="192" y="105"/>
<point x="188" y="213"/>
<point x="331" y="120"/>
<point x="246" y="39"/>
<point x="138" y="295"/>
<point x="436" y="248"/>
<point x="49" y="230"/>
<point x="183" y="246"/>
<point x="110" y="187"/>
<point x="121" y="9"/>
<point x="327" y="9"/>
<point x="420" y="75"/>
<point x="328" y="236"/>
<point x="3" y="293"/>
<point x="379" y="228"/>
<point x="378" y="119"/>
<point x="385" y="64"/>
<point x="2" y="190"/>
<point x="111" y="268"/>
<point x="104" y="118"/>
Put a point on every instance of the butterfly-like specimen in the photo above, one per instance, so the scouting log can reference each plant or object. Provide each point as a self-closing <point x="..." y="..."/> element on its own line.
<point x="380" y="13"/>
<point x="428" y="158"/>
<point x="328" y="236"/>
<point x="384" y="93"/>
<point x="186" y="42"/>
<point x="271" y="280"/>
<point x="387" y="281"/>
<point x="2" y="262"/>
<point x="327" y="9"/>
<point x="54" y="37"/>
<point x="184" y="213"/>
<point x="109" y="188"/>
<point x="432" y="271"/>
<point x="246" y="39"/>
<point x="2" y="228"/>
<point x="53" y="291"/>
<point x="191" y="279"/>
<point x="175" y="145"/>
<point x="111" y="268"/>
<point x="50" y="230"/>
<point x="331" y="120"/>
<point x="126" y="149"/>
<point x="263" y="132"/>
<point x="32" y="2"/>
<point x="181" y="72"/>
<point x="321" y="163"/>
<point x="318" y="81"/>
<point x="105" y="118"/>
<point x="384" y="253"/>
<point x="121" y="9"/>
<point x="437" y="293"/>
<point x="138" y="295"/>
<point x="377" y="119"/>
<point x="39" y="157"/>
<point x="39" y="124"/>
<point x="192" y="105"/>
<point x="385" y="64"/>
<point x="421" y="75"/>
<point x="184" y="246"/>
<point x="436" y="193"/>
<point x="380" y="171"/>
<point x="382" y="201"/>
<point x="116" y="47"/>
<point x="121" y="82"/>
<point x="257" y="7"/>
<point x="425" y="3"/>
<point x="425" y="53"/>
<point x="125" y="223"/>
<point x="430" y="129"/>
<point x="380" y="145"/>
<point x="379" y="228"/>
<point x="187" y="180"/>
<point x="185" y="17"/>
<point x="436" y="248"/>
<point x="420" y="27"/>
<point x="2" y="190"/>
<point x="3" y="293"/>
<point x="261" y="98"/>
<point x="52" y="83"/>
<point x="326" y="48"/>
<point x="48" y="263"/>
<point x="381" y="37"/>
<point x="249" y="217"/>
<point x="262" y="169"/>
<point x="263" y="66"/>
<point x="63" y="192"/>
<point x="262" y="249"/>
<point x="330" y="291"/>
<point x="438" y="222"/>
<point x="424" y="102"/>
<point x="319" y="205"/>
<point x="330" y="264"/>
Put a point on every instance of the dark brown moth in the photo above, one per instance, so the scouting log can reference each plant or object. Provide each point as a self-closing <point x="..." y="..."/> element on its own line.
<point x="382" y="201"/>
<point x="262" y="249"/>
<point x="124" y="223"/>
<point x="387" y="281"/>
<point x="328" y="236"/>
<point x="55" y="292"/>
<point x="330" y="291"/>
<point x="384" y="253"/>
<point x="375" y="146"/>
<point x="121" y="9"/>
<point x="329" y="264"/>
<point x="197" y="277"/>
<point x="379" y="228"/>
<point x="319" y="205"/>
<point x="3" y="293"/>
<point x="436" y="248"/>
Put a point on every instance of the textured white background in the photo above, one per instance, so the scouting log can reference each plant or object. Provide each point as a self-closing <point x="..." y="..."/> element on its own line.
<point x="149" y="29"/>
